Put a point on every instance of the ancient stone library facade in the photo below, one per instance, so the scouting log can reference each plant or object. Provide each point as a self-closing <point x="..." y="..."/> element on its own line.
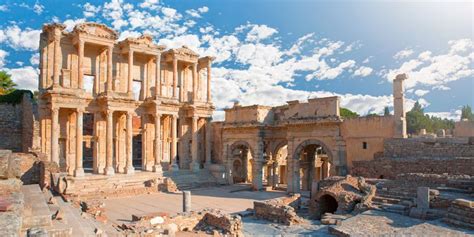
<point x="108" y="107"/>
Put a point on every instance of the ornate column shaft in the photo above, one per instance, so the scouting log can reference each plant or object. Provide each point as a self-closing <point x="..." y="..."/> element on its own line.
<point x="79" y="171"/>
<point x="209" y="82"/>
<point x="158" y="154"/>
<point x="129" y="166"/>
<point x="109" y="67"/>
<point x="194" y="145"/>
<point x="208" y="142"/>
<point x="195" y="82"/>
<point x="57" y="57"/>
<point x="130" y="71"/>
<point x="80" y="63"/>
<point x="55" y="135"/>
<point x="109" y="169"/>
<point x="174" y="143"/>
<point x="175" y="78"/>
<point x="158" y="76"/>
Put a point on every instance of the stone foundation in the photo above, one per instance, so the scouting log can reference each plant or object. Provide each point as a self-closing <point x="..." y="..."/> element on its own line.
<point x="461" y="214"/>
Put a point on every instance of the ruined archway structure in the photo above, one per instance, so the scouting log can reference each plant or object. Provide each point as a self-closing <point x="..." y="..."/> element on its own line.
<point x="342" y="195"/>
<point x="297" y="125"/>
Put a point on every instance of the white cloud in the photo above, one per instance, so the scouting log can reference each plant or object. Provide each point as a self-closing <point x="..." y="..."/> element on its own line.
<point x="34" y="60"/>
<point x="3" y="8"/>
<point x="203" y="9"/>
<point x="438" y="70"/>
<point x="38" y="8"/>
<point x="25" y="78"/>
<point x="363" y="71"/>
<point x="403" y="54"/>
<point x="452" y="115"/>
<point x="90" y="10"/>
<point x="260" y="32"/>
<point x="421" y="92"/>
<point x="20" y="39"/>
<point x="71" y="23"/>
<point x="3" y="55"/>
<point x="151" y="4"/>
<point x="441" y="88"/>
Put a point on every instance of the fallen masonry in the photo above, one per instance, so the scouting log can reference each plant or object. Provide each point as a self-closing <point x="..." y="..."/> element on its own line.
<point x="280" y="210"/>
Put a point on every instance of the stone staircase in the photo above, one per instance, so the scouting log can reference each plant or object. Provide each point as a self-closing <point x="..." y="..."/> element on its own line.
<point x="101" y="186"/>
<point x="188" y="180"/>
<point x="37" y="216"/>
<point x="395" y="201"/>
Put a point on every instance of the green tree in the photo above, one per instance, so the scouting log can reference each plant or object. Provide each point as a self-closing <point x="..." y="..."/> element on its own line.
<point x="386" y="111"/>
<point x="417" y="120"/>
<point x="6" y="83"/>
<point x="346" y="113"/>
<point x="466" y="113"/>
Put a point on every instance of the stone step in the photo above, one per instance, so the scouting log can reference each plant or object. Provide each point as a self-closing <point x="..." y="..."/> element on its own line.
<point x="36" y="212"/>
<point x="458" y="223"/>
<point x="386" y="200"/>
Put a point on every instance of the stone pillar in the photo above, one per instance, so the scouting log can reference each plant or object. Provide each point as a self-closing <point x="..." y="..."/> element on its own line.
<point x="175" y="78"/>
<point x="398" y="107"/>
<point x="208" y="142"/>
<point x="55" y="135"/>
<point x="158" y="76"/>
<point x="80" y="64"/>
<point x="109" y="67"/>
<point x="186" y="201"/>
<point x="257" y="166"/>
<point x="109" y="169"/>
<point x="79" y="171"/>
<point x="194" y="147"/>
<point x="423" y="197"/>
<point x="209" y="82"/>
<point x="275" y="177"/>
<point x="157" y="167"/>
<point x="195" y="82"/>
<point x="129" y="169"/>
<point x="130" y="71"/>
<point x="57" y="57"/>
<point x="174" y="143"/>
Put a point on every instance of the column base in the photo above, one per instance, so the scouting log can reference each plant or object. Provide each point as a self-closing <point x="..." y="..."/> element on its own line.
<point x="194" y="166"/>
<point x="109" y="171"/>
<point x="157" y="169"/>
<point x="207" y="165"/>
<point x="174" y="167"/>
<point x="148" y="167"/>
<point x="129" y="170"/>
<point x="79" y="172"/>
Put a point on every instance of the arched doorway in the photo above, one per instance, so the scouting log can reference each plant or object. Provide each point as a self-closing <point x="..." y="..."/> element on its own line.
<point x="241" y="158"/>
<point x="327" y="204"/>
<point x="312" y="163"/>
<point x="280" y="168"/>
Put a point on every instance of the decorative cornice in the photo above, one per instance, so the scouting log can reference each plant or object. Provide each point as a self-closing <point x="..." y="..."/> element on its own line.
<point x="90" y="28"/>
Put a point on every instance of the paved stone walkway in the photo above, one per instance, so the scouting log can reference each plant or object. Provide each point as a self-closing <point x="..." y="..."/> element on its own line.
<point x="379" y="223"/>
<point x="227" y="198"/>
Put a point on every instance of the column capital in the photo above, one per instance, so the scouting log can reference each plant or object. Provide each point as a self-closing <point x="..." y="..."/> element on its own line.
<point x="109" y="112"/>
<point x="175" y="59"/>
<point x="55" y="109"/>
<point x="158" y="114"/>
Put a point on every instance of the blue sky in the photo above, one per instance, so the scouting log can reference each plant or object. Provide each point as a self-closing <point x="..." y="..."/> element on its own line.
<point x="269" y="52"/>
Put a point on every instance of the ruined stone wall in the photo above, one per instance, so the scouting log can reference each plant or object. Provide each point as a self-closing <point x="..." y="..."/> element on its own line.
<point x="464" y="129"/>
<point x="428" y="147"/>
<point x="370" y="131"/>
<point x="254" y="113"/>
<point x="19" y="125"/>
<point x="389" y="168"/>
<point x="216" y="153"/>
<point x="328" y="106"/>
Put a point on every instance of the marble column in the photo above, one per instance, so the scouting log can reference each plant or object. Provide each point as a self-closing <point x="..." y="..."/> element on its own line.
<point x="55" y="135"/>
<point x="130" y="71"/>
<point x="158" y="76"/>
<point x="79" y="171"/>
<point x="175" y="78"/>
<point x="194" y="145"/>
<point x="208" y="142"/>
<point x="109" y="68"/>
<point x="195" y="82"/>
<point x="129" y="146"/>
<point x="209" y="82"/>
<point x="174" y="143"/>
<point x="80" y="63"/>
<point x="157" y="167"/>
<point x="109" y="169"/>
<point x="57" y="57"/>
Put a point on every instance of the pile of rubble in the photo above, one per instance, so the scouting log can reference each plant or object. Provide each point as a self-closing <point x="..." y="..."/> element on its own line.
<point x="11" y="207"/>
<point x="280" y="210"/>
<point x="94" y="208"/>
<point x="169" y="186"/>
<point x="209" y="221"/>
